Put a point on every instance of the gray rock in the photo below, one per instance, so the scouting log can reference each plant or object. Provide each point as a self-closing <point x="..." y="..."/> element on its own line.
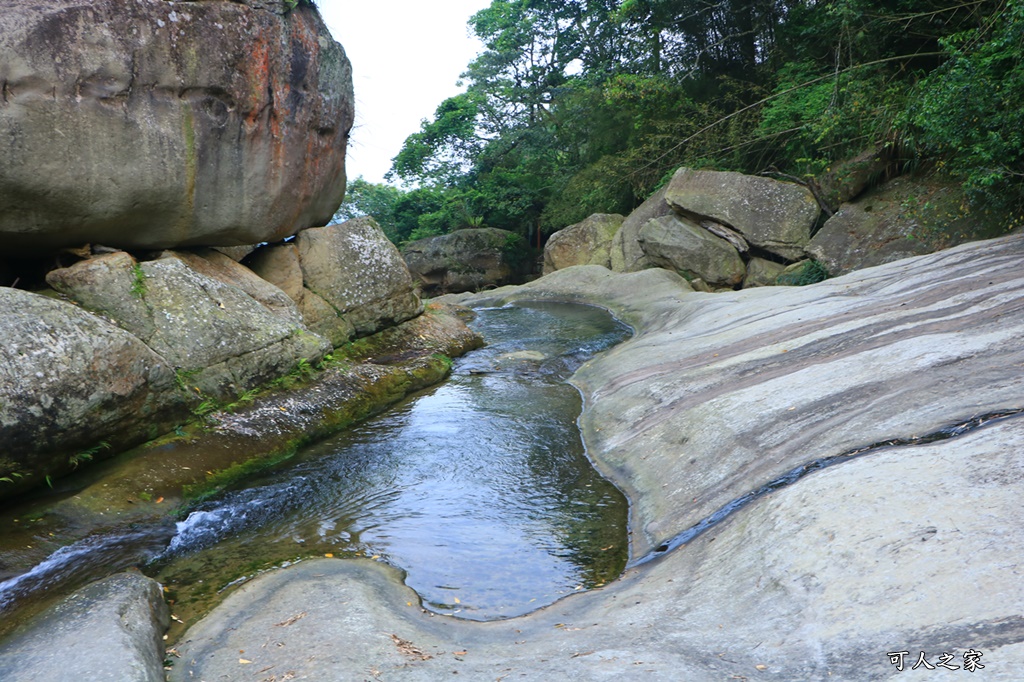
<point x="216" y="265"/>
<point x="69" y="380"/>
<point x="359" y="274"/>
<point x="279" y="264"/>
<point x="220" y="339"/>
<point x="847" y="179"/>
<point x="626" y="254"/>
<point x="155" y="124"/>
<point x="912" y="547"/>
<point x="677" y="244"/>
<point x="775" y="216"/>
<point x="585" y="243"/>
<point x="886" y="224"/>
<point x="467" y="260"/>
<point x="108" y="631"/>
<point x="762" y="273"/>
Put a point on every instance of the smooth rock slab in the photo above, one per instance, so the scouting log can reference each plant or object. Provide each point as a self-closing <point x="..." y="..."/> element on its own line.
<point x="895" y="551"/>
<point x="911" y="548"/>
<point x="110" y="631"/>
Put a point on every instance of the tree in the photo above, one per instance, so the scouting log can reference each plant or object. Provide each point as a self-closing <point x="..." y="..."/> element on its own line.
<point x="363" y="198"/>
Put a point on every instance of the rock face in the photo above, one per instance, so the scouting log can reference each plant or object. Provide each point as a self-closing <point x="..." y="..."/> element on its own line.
<point x="772" y="215"/>
<point x="677" y="244"/>
<point x="585" y="243"/>
<point x="762" y="273"/>
<point x="466" y="260"/>
<point x="359" y="274"/>
<point x="626" y="254"/>
<point x="221" y="340"/>
<point x="896" y="220"/>
<point x="68" y="380"/>
<point x="110" y="630"/>
<point x="148" y="124"/>
<point x="913" y="546"/>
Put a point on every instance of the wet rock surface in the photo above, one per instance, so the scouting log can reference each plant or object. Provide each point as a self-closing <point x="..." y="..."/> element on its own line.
<point x="110" y="630"/>
<point x="909" y="548"/>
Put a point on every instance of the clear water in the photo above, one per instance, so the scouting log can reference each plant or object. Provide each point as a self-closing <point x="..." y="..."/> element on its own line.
<point x="479" y="489"/>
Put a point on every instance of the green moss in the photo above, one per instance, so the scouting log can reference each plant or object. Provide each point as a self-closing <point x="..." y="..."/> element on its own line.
<point x="138" y="281"/>
<point x="219" y="480"/>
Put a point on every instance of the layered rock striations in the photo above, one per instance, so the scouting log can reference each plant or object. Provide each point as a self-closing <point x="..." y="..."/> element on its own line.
<point x="153" y="124"/>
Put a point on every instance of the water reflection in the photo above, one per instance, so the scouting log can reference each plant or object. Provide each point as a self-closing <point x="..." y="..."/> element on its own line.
<point x="479" y="489"/>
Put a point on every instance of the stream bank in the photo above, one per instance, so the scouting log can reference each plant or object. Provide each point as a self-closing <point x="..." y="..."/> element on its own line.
<point x="911" y="548"/>
<point x="79" y="531"/>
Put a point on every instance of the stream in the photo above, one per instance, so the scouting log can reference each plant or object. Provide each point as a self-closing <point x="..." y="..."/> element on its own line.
<point x="479" y="489"/>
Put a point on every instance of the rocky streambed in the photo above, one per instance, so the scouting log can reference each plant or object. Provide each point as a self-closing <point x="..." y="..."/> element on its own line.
<point x="850" y="572"/>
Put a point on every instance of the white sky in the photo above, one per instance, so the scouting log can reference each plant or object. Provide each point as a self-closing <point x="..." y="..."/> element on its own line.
<point x="406" y="58"/>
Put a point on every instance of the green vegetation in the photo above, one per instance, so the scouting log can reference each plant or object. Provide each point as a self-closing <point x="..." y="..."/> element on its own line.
<point x="810" y="272"/>
<point x="138" y="281"/>
<point x="574" y="108"/>
<point x="87" y="455"/>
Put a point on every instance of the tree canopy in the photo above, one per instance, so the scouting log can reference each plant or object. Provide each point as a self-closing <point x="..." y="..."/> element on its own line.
<point x="582" y="106"/>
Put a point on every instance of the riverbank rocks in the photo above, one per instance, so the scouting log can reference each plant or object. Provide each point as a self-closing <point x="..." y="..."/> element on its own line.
<point x="359" y="273"/>
<point x="109" y="630"/>
<point x="772" y="215"/>
<point x="585" y="243"/>
<point x="909" y="543"/>
<point x="675" y="243"/>
<point x="143" y="124"/>
<point x="626" y="253"/>
<point x="70" y="380"/>
<point x="905" y="217"/>
<point x="220" y="340"/>
<point x="467" y="260"/>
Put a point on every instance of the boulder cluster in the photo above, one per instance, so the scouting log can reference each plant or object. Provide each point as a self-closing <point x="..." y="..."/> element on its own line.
<point x="143" y="145"/>
<point x="725" y="231"/>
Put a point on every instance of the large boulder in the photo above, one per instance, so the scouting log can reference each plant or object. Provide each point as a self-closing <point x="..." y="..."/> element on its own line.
<point x="467" y="260"/>
<point x="675" y="243"/>
<point x="151" y="124"/>
<point x="772" y="215"/>
<point x="585" y="243"/>
<point x="359" y="274"/>
<point x="626" y="254"/>
<point x="221" y="340"/>
<point x="109" y="630"/>
<point x="902" y="218"/>
<point x="68" y="380"/>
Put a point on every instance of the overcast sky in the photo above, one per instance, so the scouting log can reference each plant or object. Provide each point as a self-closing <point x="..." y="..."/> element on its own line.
<point x="406" y="58"/>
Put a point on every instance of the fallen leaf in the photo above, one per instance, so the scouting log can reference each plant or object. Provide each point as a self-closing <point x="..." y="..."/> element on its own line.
<point x="761" y="667"/>
<point x="159" y="500"/>
<point x="407" y="648"/>
<point x="288" y="621"/>
<point x="457" y="601"/>
<point x="329" y="555"/>
<point x="244" y="661"/>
